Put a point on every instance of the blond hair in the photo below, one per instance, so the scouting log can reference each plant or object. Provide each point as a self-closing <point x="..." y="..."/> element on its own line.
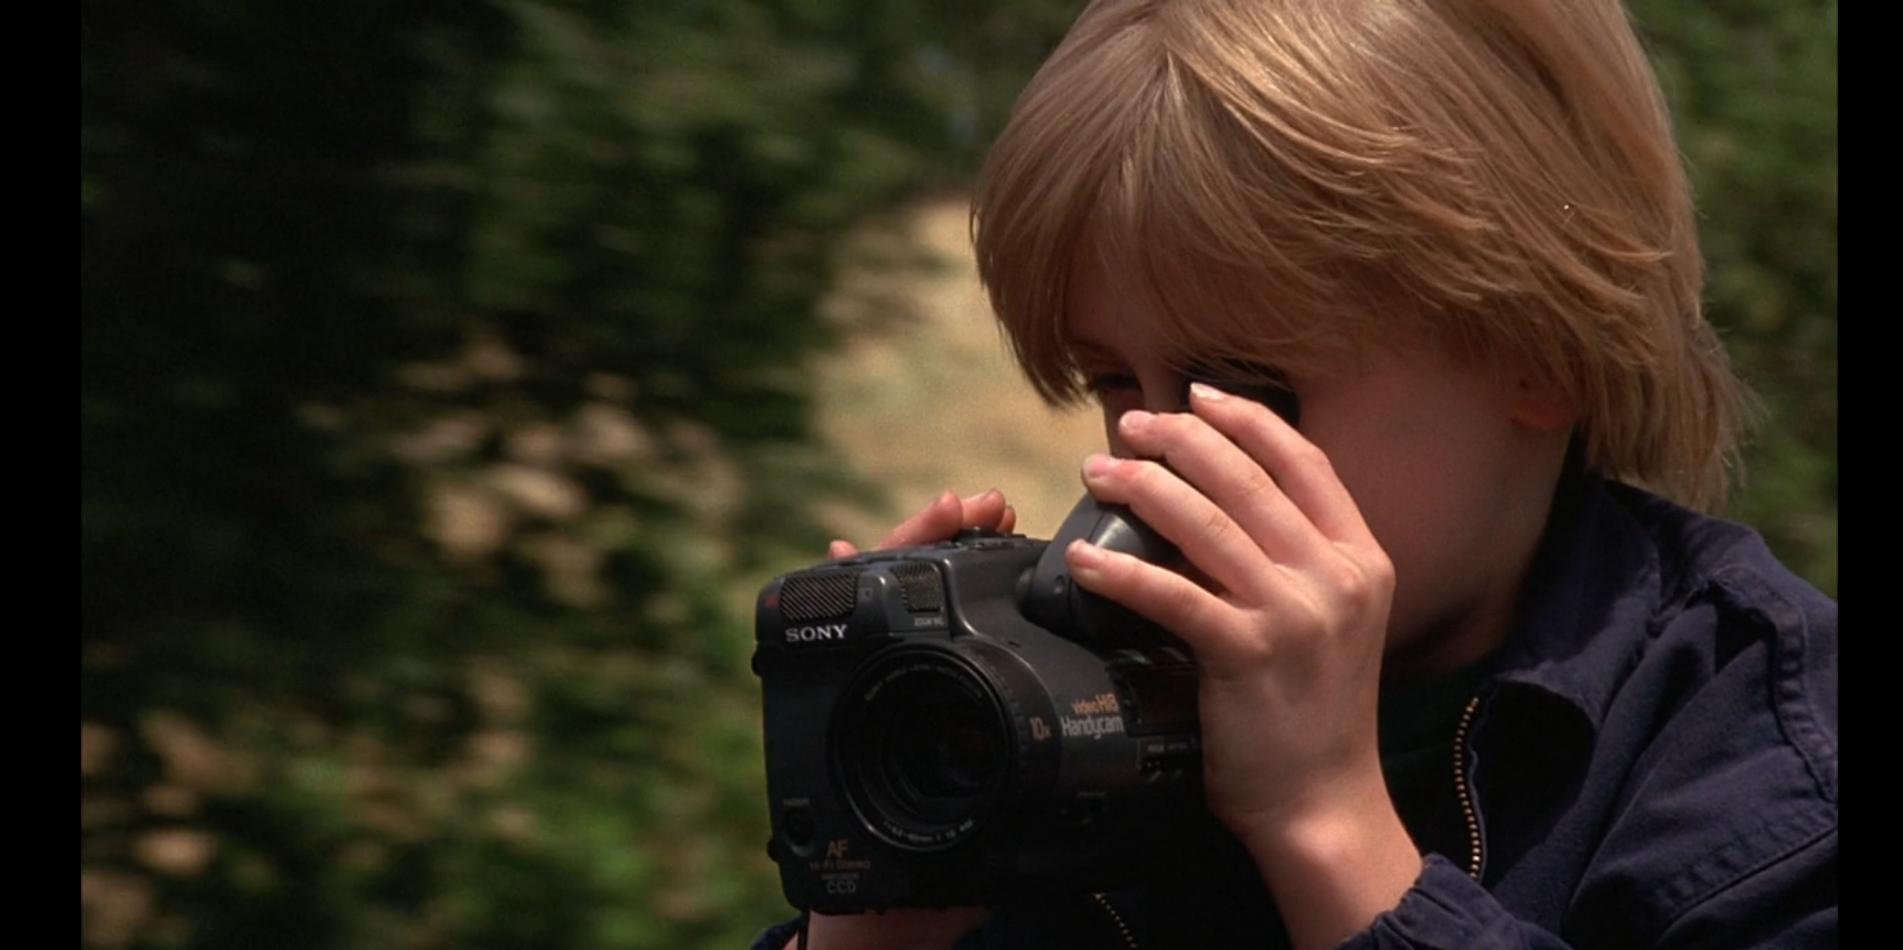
<point x="1293" y="181"/>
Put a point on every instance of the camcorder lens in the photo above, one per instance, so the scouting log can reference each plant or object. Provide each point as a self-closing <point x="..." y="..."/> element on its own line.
<point x="922" y="749"/>
<point x="941" y="747"/>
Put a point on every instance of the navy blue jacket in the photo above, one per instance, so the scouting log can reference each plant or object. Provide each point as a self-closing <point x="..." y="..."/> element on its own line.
<point x="1653" y="763"/>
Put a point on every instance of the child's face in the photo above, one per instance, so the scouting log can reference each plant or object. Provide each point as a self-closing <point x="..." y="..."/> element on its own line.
<point x="1450" y="482"/>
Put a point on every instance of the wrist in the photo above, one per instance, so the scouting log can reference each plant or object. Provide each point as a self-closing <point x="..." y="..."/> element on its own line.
<point x="908" y="928"/>
<point x="1334" y="868"/>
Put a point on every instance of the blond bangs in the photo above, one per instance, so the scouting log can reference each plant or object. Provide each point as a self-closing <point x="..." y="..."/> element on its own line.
<point x="1110" y="153"/>
<point x="1295" y="183"/>
<point x="1041" y="185"/>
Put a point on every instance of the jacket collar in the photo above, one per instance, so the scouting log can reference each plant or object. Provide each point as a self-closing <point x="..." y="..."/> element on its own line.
<point x="1588" y="601"/>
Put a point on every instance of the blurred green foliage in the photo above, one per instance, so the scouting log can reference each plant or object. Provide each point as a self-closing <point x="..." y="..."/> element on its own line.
<point x="443" y="367"/>
<point x="1753" y="85"/>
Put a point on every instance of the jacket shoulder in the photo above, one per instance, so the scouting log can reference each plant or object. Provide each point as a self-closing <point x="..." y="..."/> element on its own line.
<point x="1727" y="598"/>
<point x="1731" y="711"/>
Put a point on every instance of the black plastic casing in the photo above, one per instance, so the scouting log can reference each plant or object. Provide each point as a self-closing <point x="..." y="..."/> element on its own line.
<point x="1100" y="785"/>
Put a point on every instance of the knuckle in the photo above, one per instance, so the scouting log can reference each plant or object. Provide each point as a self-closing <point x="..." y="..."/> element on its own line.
<point x="1185" y="423"/>
<point x="1182" y="600"/>
<point x="1140" y="474"/>
<point x="1257" y="649"/>
<point x="1256" y="486"/>
<point x="1195" y="431"/>
<point x="1365" y="581"/>
<point x="1353" y="583"/>
<point x="1308" y="455"/>
<point x="1215" y="524"/>
<point x="1381" y="569"/>
<point x="1174" y="434"/>
<point x="1191" y="419"/>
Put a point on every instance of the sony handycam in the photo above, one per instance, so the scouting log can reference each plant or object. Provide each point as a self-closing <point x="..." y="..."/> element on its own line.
<point x="958" y="724"/>
<point x="951" y="723"/>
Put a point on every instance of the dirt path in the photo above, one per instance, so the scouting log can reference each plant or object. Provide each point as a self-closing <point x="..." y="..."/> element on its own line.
<point x="940" y="404"/>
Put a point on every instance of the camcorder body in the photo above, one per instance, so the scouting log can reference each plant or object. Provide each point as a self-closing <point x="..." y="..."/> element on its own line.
<point x="958" y="724"/>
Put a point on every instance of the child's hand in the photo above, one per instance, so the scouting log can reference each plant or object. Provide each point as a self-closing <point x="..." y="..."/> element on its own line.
<point x="902" y="928"/>
<point x="941" y="521"/>
<point x="1288" y="620"/>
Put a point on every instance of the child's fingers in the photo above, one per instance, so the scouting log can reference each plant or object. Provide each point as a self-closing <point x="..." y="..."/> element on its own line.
<point x="947" y="513"/>
<point x="1167" y="598"/>
<point x="983" y="510"/>
<point x="935" y="522"/>
<point x="1216" y="466"/>
<point x="1207" y="536"/>
<point x="1302" y="471"/>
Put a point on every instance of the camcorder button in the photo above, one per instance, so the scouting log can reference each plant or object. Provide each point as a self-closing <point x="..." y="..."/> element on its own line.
<point x="796" y="825"/>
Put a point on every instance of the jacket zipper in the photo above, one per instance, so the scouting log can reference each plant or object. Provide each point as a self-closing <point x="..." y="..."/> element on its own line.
<point x="1463" y="785"/>
<point x="1129" y="940"/>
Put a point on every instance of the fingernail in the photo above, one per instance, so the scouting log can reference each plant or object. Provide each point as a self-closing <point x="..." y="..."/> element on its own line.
<point x="1097" y="463"/>
<point x="1207" y="392"/>
<point x="1136" y="420"/>
<point x="1084" y="555"/>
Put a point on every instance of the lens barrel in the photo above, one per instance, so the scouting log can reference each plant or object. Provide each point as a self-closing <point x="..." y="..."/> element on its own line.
<point x="922" y="748"/>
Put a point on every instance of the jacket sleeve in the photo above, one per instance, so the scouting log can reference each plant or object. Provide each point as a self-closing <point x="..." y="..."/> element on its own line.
<point x="1447" y="910"/>
<point x="776" y="936"/>
<point x="1791" y="902"/>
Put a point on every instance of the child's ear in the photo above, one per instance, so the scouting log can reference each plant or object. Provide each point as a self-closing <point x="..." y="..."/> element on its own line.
<point x="1542" y="407"/>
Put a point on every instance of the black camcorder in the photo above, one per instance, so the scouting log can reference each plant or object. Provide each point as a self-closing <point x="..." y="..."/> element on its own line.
<point x="958" y="724"/>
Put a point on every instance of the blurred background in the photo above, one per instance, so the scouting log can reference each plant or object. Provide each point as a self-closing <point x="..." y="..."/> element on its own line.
<point x="453" y="374"/>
